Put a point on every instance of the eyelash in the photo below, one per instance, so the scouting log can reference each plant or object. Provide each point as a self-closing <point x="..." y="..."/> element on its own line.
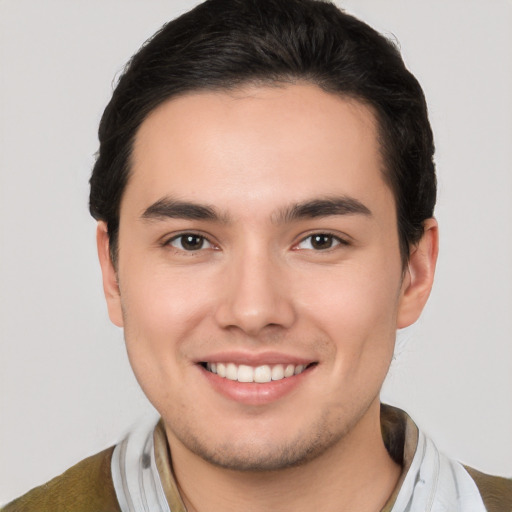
<point x="182" y="236"/>
<point x="332" y="239"/>
<point x="336" y="240"/>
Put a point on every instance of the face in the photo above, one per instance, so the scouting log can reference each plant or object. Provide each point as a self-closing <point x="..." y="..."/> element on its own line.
<point x="259" y="280"/>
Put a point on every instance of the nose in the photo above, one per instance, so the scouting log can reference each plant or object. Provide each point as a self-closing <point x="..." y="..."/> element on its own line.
<point x="256" y="295"/>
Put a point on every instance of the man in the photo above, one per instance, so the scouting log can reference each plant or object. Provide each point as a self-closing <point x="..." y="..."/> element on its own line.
<point x="265" y="190"/>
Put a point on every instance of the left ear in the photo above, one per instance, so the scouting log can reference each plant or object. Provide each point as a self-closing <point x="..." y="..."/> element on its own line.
<point x="109" y="274"/>
<point x="419" y="275"/>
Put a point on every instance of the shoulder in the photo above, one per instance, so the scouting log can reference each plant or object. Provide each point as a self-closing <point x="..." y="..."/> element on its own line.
<point x="496" y="491"/>
<point x="84" y="487"/>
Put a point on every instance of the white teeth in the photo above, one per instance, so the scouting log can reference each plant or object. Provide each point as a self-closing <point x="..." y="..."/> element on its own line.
<point x="231" y="371"/>
<point x="278" y="372"/>
<point x="259" y="374"/>
<point x="289" y="370"/>
<point x="298" y="369"/>
<point x="221" y="369"/>
<point x="262" y="374"/>
<point x="245" y="373"/>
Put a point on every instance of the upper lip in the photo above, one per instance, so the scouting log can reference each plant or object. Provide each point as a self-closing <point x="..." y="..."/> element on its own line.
<point x="255" y="358"/>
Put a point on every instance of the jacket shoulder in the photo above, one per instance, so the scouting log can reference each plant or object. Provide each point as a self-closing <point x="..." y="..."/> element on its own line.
<point x="84" y="487"/>
<point x="496" y="491"/>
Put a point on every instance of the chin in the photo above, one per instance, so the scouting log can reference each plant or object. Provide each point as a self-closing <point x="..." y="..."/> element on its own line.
<point x="262" y="458"/>
<point x="264" y="452"/>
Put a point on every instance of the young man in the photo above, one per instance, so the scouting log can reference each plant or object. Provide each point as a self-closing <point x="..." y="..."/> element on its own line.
<point x="265" y="191"/>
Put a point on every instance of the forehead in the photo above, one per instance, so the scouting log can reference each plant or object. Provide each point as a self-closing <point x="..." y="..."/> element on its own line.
<point x="256" y="145"/>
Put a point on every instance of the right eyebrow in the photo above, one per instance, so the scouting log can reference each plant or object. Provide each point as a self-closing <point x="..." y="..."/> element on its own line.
<point x="323" y="207"/>
<point x="168" y="208"/>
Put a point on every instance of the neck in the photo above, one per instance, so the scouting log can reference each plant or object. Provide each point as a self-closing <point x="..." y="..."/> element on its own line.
<point x="356" y="473"/>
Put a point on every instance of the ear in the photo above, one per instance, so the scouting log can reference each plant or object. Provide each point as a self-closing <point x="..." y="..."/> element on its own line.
<point x="419" y="275"/>
<point x="110" y="283"/>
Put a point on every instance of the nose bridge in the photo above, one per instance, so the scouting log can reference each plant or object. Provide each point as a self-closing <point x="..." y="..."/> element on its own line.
<point x="255" y="293"/>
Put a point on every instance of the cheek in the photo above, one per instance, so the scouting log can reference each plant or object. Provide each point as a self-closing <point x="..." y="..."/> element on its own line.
<point x="353" y="295"/>
<point x="356" y="307"/>
<point x="161" y="311"/>
<point x="160" y="301"/>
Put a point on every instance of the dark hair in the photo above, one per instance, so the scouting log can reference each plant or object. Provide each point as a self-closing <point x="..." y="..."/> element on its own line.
<point x="222" y="44"/>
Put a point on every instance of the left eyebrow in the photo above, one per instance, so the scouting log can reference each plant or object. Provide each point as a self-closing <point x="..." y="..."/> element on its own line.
<point x="323" y="208"/>
<point x="169" y="208"/>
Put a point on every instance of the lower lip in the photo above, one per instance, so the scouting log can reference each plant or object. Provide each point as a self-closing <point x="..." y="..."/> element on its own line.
<point x="252" y="393"/>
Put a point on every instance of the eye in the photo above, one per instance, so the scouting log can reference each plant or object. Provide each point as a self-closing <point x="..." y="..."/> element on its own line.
<point x="189" y="242"/>
<point x="320" y="242"/>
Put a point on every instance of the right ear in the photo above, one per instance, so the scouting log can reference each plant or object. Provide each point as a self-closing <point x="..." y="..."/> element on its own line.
<point x="108" y="271"/>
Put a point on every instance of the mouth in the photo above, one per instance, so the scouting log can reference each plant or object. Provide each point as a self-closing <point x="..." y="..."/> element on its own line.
<point x="255" y="374"/>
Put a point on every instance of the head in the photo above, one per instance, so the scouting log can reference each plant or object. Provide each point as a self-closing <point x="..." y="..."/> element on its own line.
<point x="264" y="187"/>
<point x="223" y="45"/>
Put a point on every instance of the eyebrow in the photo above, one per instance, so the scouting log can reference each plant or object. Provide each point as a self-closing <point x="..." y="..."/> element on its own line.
<point x="167" y="207"/>
<point x="325" y="207"/>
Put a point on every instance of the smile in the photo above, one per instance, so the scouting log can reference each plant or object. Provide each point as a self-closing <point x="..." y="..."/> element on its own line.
<point x="260" y="374"/>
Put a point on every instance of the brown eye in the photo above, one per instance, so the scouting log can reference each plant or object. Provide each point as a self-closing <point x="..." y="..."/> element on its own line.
<point x="190" y="242"/>
<point x="320" y="242"/>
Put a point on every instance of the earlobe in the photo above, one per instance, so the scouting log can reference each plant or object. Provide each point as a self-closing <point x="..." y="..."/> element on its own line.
<point x="108" y="271"/>
<point x="419" y="275"/>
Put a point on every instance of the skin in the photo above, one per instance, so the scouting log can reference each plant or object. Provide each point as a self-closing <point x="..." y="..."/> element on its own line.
<point x="255" y="288"/>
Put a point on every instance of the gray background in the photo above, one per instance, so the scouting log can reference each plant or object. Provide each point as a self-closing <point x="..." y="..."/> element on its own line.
<point x="66" y="390"/>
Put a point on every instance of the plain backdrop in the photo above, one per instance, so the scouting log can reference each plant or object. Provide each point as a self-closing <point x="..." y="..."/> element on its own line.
<point x="66" y="389"/>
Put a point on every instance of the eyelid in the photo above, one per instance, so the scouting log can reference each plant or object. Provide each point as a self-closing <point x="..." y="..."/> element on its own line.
<point x="166" y="241"/>
<point x="342" y="240"/>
